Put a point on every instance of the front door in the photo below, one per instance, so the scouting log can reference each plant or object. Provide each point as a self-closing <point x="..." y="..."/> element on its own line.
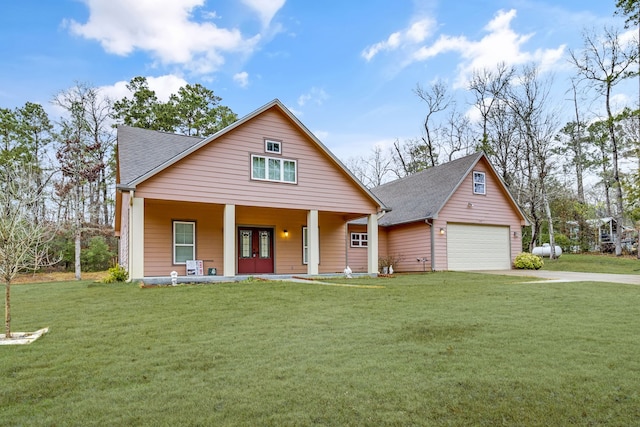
<point x="255" y="250"/>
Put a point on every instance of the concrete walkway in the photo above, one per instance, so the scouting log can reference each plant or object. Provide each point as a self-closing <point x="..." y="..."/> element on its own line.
<point x="569" y="276"/>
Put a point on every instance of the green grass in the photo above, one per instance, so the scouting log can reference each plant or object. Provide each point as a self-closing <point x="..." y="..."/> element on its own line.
<point x="589" y="263"/>
<point x="435" y="349"/>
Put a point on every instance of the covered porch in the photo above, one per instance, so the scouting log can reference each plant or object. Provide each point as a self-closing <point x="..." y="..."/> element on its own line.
<point x="237" y="241"/>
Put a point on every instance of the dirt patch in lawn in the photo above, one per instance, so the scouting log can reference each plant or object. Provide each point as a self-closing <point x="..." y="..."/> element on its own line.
<point x="57" y="276"/>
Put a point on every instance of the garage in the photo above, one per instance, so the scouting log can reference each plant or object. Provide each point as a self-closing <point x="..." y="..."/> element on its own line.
<point x="478" y="247"/>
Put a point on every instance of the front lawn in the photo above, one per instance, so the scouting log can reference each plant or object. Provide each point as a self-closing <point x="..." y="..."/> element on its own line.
<point x="433" y="349"/>
<point x="594" y="263"/>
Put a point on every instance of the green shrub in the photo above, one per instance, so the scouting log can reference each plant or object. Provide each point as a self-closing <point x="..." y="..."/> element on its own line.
<point x="528" y="261"/>
<point x="117" y="273"/>
<point x="97" y="256"/>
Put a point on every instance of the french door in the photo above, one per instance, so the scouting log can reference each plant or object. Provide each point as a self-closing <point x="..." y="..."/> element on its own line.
<point x="255" y="250"/>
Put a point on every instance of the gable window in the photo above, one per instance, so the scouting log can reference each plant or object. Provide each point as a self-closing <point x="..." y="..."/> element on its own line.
<point x="273" y="169"/>
<point x="479" y="184"/>
<point x="359" y="240"/>
<point x="274" y="147"/>
<point x="184" y="241"/>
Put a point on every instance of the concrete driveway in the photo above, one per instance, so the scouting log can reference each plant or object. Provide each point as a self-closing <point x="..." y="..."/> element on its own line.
<point x="569" y="276"/>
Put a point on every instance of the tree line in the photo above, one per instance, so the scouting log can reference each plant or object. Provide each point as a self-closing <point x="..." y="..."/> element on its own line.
<point x="545" y="162"/>
<point x="70" y="163"/>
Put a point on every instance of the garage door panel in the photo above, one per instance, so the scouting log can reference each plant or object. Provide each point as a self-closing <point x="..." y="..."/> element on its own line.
<point x="478" y="247"/>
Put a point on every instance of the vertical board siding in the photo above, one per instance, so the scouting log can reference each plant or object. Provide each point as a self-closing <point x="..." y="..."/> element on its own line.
<point x="220" y="172"/>
<point x="407" y="243"/>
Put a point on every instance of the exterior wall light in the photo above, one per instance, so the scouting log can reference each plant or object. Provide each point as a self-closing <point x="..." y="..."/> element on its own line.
<point x="469" y="205"/>
<point x="286" y="233"/>
<point x="441" y="230"/>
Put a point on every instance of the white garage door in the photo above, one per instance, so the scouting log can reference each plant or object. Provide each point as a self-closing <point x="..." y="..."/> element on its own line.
<point x="478" y="247"/>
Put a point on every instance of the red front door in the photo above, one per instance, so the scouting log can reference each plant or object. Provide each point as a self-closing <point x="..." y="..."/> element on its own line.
<point x="255" y="250"/>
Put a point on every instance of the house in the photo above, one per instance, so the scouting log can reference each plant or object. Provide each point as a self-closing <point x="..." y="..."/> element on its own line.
<point x="455" y="216"/>
<point x="261" y="196"/>
<point x="604" y="232"/>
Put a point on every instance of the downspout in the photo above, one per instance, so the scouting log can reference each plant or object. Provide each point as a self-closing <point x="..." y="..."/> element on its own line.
<point x="433" y="243"/>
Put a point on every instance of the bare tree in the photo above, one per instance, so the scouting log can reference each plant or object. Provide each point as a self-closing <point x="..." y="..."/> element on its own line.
<point x="528" y="101"/>
<point x="573" y="138"/>
<point x="457" y="135"/>
<point x="90" y="120"/>
<point x="437" y="100"/>
<point x="604" y="62"/>
<point x="23" y="240"/>
<point x="372" y="170"/>
<point x="488" y="87"/>
<point x="411" y="156"/>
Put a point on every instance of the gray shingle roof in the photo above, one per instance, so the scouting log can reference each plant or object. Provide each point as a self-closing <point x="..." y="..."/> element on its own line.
<point x="142" y="150"/>
<point x="422" y="195"/>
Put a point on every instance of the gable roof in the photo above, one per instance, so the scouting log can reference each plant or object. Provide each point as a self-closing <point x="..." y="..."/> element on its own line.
<point x="142" y="150"/>
<point x="422" y="196"/>
<point x="137" y="162"/>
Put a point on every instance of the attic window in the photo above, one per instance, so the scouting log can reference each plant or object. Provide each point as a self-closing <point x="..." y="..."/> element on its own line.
<point x="271" y="146"/>
<point x="479" y="185"/>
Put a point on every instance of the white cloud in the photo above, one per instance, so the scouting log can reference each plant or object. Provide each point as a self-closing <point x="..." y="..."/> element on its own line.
<point x="242" y="79"/>
<point x="164" y="28"/>
<point x="315" y="95"/>
<point x="501" y="44"/>
<point x="417" y="32"/>
<point x="266" y="9"/>
<point x="163" y="86"/>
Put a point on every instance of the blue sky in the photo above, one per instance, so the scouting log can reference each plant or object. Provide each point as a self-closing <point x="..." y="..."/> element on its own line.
<point x="346" y="68"/>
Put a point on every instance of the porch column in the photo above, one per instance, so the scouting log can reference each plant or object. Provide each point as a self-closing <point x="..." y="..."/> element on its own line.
<point x="136" y="237"/>
<point x="372" y="244"/>
<point x="313" y="237"/>
<point x="229" y="240"/>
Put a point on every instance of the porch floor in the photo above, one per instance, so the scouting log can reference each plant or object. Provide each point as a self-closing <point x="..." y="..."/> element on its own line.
<point x="166" y="280"/>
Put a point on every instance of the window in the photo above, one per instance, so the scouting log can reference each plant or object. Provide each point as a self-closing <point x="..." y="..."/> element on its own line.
<point x="479" y="186"/>
<point x="359" y="240"/>
<point x="305" y="246"/>
<point x="184" y="241"/>
<point x="272" y="146"/>
<point x="273" y="169"/>
<point x="265" y="244"/>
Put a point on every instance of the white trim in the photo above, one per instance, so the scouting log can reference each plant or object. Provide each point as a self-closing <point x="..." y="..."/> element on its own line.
<point x="267" y="161"/>
<point x="229" y="240"/>
<point x="482" y="182"/>
<point x="273" y="142"/>
<point x="359" y="240"/>
<point x="372" y="249"/>
<point x="314" y="242"/>
<point x="136" y="236"/>
<point x="184" y="245"/>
